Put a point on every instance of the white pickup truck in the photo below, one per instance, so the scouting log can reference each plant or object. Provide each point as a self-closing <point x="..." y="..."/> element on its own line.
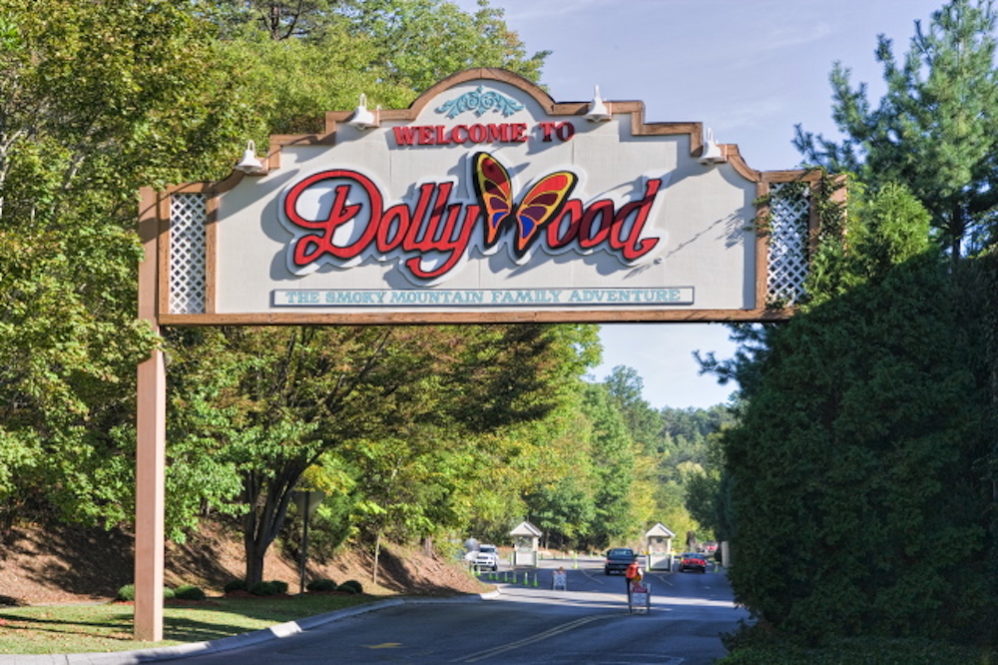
<point x="486" y="558"/>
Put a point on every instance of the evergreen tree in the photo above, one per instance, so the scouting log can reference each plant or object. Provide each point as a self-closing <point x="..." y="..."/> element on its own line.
<point x="936" y="127"/>
<point x="613" y="461"/>
<point x="856" y="476"/>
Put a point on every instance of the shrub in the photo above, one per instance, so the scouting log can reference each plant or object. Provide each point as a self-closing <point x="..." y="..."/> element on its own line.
<point x="188" y="592"/>
<point x="858" y="651"/>
<point x="321" y="584"/>
<point x="126" y="593"/>
<point x="269" y="588"/>
<point x="235" y="585"/>
<point x="351" y="586"/>
<point x="263" y="589"/>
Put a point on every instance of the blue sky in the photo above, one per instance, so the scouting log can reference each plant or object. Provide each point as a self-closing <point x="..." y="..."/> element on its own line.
<point x="748" y="69"/>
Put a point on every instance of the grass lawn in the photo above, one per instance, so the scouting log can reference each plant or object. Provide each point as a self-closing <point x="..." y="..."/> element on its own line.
<point x="58" y="629"/>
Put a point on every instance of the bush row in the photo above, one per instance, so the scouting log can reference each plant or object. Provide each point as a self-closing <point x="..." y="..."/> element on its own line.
<point x="276" y="587"/>
<point x="860" y="651"/>
<point x="182" y="592"/>
<point x="268" y="588"/>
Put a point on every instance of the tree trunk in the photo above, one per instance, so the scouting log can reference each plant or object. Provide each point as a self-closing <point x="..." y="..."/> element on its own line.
<point x="254" y="562"/>
<point x="268" y="508"/>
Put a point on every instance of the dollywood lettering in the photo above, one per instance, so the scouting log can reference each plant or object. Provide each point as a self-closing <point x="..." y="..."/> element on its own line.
<point x="435" y="223"/>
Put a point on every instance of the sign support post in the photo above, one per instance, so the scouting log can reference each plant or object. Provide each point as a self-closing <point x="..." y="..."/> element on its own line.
<point x="150" y="456"/>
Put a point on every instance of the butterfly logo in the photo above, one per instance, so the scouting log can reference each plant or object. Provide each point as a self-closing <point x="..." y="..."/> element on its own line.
<point x="538" y="206"/>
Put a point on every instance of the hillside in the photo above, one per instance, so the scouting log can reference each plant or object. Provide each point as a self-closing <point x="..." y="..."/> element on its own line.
<point x="72" y="564"/>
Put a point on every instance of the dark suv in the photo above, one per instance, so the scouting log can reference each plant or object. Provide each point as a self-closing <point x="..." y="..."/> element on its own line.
<point x="617" y="560"/>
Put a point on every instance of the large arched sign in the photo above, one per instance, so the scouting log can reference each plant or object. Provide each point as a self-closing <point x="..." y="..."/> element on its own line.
<point x="484" y="201"/>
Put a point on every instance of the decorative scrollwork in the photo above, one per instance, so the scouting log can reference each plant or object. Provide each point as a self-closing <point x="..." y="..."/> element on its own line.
<point x="481" y="103"/>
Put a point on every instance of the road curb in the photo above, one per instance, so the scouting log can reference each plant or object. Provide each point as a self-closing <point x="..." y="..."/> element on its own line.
<point x="278" y="631"/>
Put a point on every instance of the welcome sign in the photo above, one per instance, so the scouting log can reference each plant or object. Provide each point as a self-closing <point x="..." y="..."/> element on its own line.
<point x="483" y="201"/>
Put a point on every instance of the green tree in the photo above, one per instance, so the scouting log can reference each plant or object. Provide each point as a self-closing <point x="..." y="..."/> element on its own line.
<point x="644" y="423"/>
<point x="400" y="406"/>
<point x="936" y="127"/>
<point x="298" y="19"/>
<point x="96" y="100"/>
<point x="423" y="41"/>
<point x="565" y="511"/>
<point x="855" y="474"/>
<point x="706" y="494"/>
<point x="614" y="464"/>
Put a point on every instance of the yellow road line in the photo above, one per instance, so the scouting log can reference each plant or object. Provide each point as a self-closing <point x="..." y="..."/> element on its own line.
<point x="557" y="630"/>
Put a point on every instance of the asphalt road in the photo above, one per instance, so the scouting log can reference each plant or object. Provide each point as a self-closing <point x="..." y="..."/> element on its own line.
<point x="588" y="623"/>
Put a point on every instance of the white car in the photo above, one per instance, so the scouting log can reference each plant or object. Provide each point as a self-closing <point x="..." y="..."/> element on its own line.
<point x="487" y="557"/>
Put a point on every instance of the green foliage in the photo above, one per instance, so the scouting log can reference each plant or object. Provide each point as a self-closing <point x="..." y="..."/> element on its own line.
<point x="286" y="84"/>
<point x="885" y="227"/>
<point x="565" y="511"/>
<point x="423" y="41"/>
<point x="235" y="585"/>
<point x="859" y="651"/>
<point x="935" y="129"/>
<point x="613" y="465"/>
<point x="857" y="482"/>
<point x="96" y="100"/>
<point x="394" y="413"/>
<point x="288" y="53"/>
<point x="855" y="456"/>
<point x="262" y="589"/>
<point x="189" y="592"/>
<point x="268" y="588"/>
<point x="643" y="422"/>
<point x="127" y="593"/>
<point x="305" y="19"/>
<point x="351" y="586"/>
<point x="321" y="584"/>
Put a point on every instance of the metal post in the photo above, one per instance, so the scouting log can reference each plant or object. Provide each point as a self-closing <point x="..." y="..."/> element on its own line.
<point x="307" y="501"/>
<point x="304" y="554"/>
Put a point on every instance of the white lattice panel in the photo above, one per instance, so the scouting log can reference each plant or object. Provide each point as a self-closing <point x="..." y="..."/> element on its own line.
<point x="790" y="208"/>
<point x="188" y="218"/>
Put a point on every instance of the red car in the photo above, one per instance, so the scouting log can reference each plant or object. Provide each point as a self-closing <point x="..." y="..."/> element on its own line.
<point x="692" y="561"/>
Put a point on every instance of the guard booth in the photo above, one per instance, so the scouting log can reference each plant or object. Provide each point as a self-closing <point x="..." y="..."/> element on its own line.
<point x="658" y="544"/>
<point x="526" y="540"/>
